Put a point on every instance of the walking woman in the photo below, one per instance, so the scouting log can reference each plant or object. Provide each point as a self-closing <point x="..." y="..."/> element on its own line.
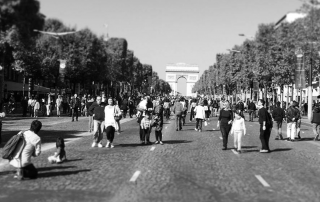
<point x="110" y="123"/>
<point x="117" y="114"/>
<point x="225" y="123"/>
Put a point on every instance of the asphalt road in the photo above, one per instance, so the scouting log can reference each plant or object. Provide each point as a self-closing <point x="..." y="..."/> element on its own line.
<point x="190" y="166"/>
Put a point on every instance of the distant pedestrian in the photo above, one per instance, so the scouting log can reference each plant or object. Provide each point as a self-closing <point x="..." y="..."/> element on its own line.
<point x="292" y="115"/>
<point x="315" y="120"/>
<point x="88" y="105"/>
<point x="75" y="104"/>
<point x="24" y="105"/>
<point x="225" y="122"/>
<point x="278" y="116"/>
<point x="60" y="155"/>
<point x="265" y="121"/>
<point x="200" y="116"/>
<point x="118" y="115"/>
<point x="252" y="110"/>
<point x="37" y="108"/>
<point x="238" y="129"/>
<point x="177" y="110"/>
<point x="59" y="105"/>
<point x="158" y="124"/>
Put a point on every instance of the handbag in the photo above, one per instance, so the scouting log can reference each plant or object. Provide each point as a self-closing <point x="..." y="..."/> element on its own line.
<point x="117" y="117"/>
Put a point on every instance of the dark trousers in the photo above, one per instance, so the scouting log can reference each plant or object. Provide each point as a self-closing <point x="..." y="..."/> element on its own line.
<point x="264" y="137"/>
<point x="146" y="135"/>
<point x="251" y="114"/>
<point x="110" y="133"/>
<point x="183" y="117"/>
<point x="131" y="112"/>
<point x="167" y="112"/>
<point x="207" y="113"/>
<point x="31" y="111"/>
<point x="158" y="135"/>
<point x="199" y="124"/>
<point x="124" y="113"/>
<point x="225" y="129"/>
<point x="141" y="133"/>
<point x="178" y="122"/>
<point x="191" y="113"/>
<point x="74" y="112"/>
<point x="24" y="111"/>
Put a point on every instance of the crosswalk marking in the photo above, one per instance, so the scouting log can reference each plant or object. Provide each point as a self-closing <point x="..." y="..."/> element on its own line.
<point x="262" y="181"/>
<point x="135" y="176"/>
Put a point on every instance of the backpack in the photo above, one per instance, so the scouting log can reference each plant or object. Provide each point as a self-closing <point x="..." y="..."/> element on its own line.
<point x="11" y="145"/>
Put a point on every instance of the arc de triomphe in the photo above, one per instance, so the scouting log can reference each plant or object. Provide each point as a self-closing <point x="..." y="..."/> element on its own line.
<point x="182" y="70"/>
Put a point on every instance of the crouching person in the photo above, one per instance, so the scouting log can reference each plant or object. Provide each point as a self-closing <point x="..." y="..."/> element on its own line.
<point x="30" y="147"/>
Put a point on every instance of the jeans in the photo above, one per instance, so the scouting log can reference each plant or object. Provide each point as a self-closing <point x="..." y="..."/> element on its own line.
<point x="178" y="122"/>
<point x="315" y="128"/>
<point x="251" y="114"/>
<point x="110" y="133"/>
<point x="225" y="130"/>
<point x="90" y="123"/>
<point x="75" y="112"/>
<point x="291" y="130"/>
<point x="98" y="128"/>
<point x="264" y="137"/>
<point x="199" y="124"/>
<point x="158" y="135"/>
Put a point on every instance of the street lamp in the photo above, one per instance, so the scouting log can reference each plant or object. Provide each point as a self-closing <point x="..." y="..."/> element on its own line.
<point x="62" y="69"/>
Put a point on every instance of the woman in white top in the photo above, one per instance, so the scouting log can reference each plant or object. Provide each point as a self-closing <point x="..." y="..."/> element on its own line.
<point x="200" y="116"/>
<point x="110" y="123"/>
<point x="31" y="146"/>
<point x="238" y="129"/>
<point x="58" y="105"/>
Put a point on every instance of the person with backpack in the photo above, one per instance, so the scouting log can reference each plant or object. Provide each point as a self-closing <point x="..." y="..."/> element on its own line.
<point x="292" y="115"/>
<point x="265" y="121"/>
<point x="278" y="116"/>
<point x="177" y="110"/>
<point x="24" y="150"/>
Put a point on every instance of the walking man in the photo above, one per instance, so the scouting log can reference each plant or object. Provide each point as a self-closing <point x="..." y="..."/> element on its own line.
<point x="252" y="108"/>
<point x="278" y="116"/>
<point x="96" y="110"/>
<point x="75" y="104"/>
<point x="292" y="115"/>
<point x="265" y="121"/>
<point x="177" y="110"/>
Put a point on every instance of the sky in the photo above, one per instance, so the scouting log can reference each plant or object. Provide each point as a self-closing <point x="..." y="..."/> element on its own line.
<point x="171" y="31"/>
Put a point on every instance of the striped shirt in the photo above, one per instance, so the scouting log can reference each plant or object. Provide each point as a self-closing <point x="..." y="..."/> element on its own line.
<point x="145" y="123"/>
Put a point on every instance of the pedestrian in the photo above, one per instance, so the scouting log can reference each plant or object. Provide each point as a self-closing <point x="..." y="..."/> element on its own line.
<point x="238" y="129"/>
<point x="298" y="125"/>
<point x="193" y="106"/>
<point x="32" y="103"/>
<point x="292" y="115"/>
<point x="2" y="115"/>
<point x="265" y="121"/>
<point x="240" y="106"/>
<point x="110" y="123"/>
<point x="58" y="105"/>
<point x="200" y="115"/>
<point x="96" y="110"/>
<point x="315" y="120"/>
<point x="177" y="110"/>
<point x="184" y="111"/>
<point x="90" y="101"/>
<point x="31" y="146"/>
<point x="141" y="110"/>
<point x="225" y="122"/>
<point x="215" y="107"/>
<point x="75" y="104"/>
<point x="278" y="116"/>
<point x="166" y="107"/>
<point x="124" y="107"/>
<point x="158" y="125"/>
<point x="24" y="105"/>
<point x="146" y="127"/>
<point x="118" y="116"/>
<point x="206" y="109"/>
<point x="48" y="105"/>
<point x="37" y="108"/>
<point x="64" y="104"/>
<point x="251" y="108"/>
<point x="131" y="107"/>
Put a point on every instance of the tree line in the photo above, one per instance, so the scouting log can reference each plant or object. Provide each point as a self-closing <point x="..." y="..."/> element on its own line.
<point x="269" y="59"/>
<point x="90" y="59"/>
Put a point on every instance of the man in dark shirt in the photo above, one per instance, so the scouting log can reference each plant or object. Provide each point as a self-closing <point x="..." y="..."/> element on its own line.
<point x="251" y="108"/>
<point x="265" y="126"/>
<point x="278" y="115"/>
<point x="74" y="105"/>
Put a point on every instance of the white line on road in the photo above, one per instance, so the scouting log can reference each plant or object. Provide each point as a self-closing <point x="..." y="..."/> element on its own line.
<point x="234" y="151"/>
<point x="263" y="182"/>
<point x="152" y="148"/>
<point x="135" y="176"/>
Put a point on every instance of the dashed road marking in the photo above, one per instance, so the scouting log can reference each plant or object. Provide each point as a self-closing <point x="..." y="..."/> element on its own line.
<point x="135" y="176"/>
<point x="234" y="151"/>
<point x="152" y="148"/>
<point x="263" y="182"/>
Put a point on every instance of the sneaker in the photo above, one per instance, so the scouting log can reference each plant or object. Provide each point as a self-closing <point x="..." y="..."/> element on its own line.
<point x="94" y="144"/>
<point x="239" y="151"/>
<point x="161" y="142"/>
<point x="156" y="142"/>
<point x="100" y="145"/>
<point x="108" y="144"/>
<point x="200" y="131"/>
<point x="264" y="151"/>
<point x="196" y="129"/>
<point x="111" y="145"/>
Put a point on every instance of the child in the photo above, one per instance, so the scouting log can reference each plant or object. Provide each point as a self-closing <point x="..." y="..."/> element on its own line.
<point x="60" y="155"/>
<point x="158" y="129"/>
<point x="146" y="127"/>
<point x="238" y="129"/>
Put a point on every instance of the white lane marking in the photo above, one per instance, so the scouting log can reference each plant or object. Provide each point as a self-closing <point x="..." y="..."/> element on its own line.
<point x="135" y="176"/>
<point x="220" y="138"/>
<point x="234" y="151"/>
<point x="263" y="182"/>
<point x="152" y="148"/>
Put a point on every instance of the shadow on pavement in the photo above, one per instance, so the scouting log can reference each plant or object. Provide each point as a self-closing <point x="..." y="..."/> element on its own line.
<point x="306" y="139"/>
<point x="281" y="149"/>
<point x="248" y="147"/>
<point x="7" y="172"/>
<point x="61" y="173"/>
<point x="70" y="160"/>
<point x="176" y="141"/>
<point x="55" y="167"/>
<point x="133" y="145"/>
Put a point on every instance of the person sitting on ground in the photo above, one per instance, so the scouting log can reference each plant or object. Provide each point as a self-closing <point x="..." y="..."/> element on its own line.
<point x="30" y="147"/>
